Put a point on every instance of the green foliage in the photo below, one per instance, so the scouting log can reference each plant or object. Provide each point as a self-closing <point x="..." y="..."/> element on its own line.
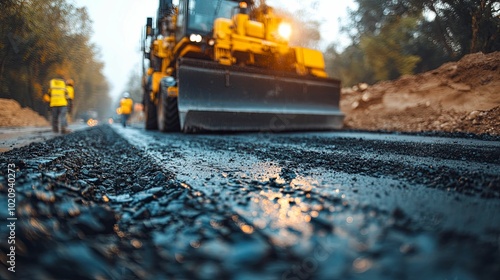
<point x="396" y="37"/>
<point x="41" y="40"/>
<point x="349" y="66"/>
<point x="466" y="26"/>
<point x="385" y="52"/>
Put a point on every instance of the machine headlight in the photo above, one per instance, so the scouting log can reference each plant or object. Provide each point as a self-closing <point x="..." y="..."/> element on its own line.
<point x="285" y="30"/>
<point x="196" y="38"/>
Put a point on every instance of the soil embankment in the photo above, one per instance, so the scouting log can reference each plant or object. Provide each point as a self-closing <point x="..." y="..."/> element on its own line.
<point x="461" y="96"/>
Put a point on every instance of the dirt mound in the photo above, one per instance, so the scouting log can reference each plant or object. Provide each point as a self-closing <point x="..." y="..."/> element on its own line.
<point x="12" y="114"/>
<point x="461" y="96"/>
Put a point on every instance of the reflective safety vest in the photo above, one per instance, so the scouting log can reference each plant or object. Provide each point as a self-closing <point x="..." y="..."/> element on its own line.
<point x="58" y="94"/>
<point x="126" y="106"/>
<point x="71" y="92"/>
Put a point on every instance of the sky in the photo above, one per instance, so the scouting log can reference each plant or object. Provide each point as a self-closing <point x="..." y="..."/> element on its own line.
<point x="117" y="26"/>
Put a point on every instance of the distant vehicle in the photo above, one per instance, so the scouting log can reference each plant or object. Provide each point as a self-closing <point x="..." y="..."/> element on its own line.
<point x="89" y="117"/>
<point x="92" y="122"/>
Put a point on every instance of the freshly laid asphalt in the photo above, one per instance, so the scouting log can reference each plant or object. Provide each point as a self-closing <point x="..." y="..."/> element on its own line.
<point x="123" y="203"/>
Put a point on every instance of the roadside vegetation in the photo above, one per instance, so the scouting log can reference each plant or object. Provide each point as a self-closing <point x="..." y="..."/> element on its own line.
<point x="42" y="40"/>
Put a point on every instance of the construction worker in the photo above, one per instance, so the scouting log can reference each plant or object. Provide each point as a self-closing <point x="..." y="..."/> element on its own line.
<point x="57" y="97"/>
<point x="126" y="107"/>
<point x="71" y="94"/>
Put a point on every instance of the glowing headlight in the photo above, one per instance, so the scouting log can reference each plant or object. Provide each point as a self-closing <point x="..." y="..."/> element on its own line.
<point x="285" y="30"/>
<point x="195" y="38"/>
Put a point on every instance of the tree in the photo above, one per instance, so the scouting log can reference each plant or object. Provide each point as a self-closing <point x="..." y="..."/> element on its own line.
<point x="350" y="66"/>
<point x="465" y="26"/>
<point x="397" y="37"/>
<point x="387" y="52"/>
<point x="41" y="40"/>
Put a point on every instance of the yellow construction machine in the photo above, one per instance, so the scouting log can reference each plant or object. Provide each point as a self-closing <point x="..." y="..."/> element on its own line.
<point x="214" y="67"/>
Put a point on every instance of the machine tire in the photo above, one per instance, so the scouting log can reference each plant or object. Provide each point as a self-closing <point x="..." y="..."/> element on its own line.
<point x="151" y="121"/>
<point x="168" y="113"/>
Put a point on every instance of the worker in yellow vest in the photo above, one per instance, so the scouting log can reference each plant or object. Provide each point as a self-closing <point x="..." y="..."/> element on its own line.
<point x="126" y="108"/>
<point x="71" y="94"/>
<point x="57" y="97"/>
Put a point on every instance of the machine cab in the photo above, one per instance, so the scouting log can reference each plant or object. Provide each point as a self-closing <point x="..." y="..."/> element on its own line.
<point x="196" y="17"/>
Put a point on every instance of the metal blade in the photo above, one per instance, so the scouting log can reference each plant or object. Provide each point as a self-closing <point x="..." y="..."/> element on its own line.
<point x="219" y="98"/>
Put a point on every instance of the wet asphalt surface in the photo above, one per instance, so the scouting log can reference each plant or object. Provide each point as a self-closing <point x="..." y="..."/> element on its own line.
<point x="115" y="203"/>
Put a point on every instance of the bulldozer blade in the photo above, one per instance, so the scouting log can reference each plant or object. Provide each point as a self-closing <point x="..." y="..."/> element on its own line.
<point x="213" y="97"/>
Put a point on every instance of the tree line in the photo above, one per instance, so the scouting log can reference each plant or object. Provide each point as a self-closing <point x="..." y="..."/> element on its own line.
<point x="42" y="40"/>
<point x="390" y="38"/>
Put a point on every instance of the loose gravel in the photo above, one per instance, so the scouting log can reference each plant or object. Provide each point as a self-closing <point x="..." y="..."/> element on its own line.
<point x="92" y="206"/>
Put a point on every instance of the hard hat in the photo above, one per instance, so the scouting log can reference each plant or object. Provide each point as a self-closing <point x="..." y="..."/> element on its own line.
<point x="169" y="81"/>
<point x="70" y="82"/>
<point x="126" y="95"/>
